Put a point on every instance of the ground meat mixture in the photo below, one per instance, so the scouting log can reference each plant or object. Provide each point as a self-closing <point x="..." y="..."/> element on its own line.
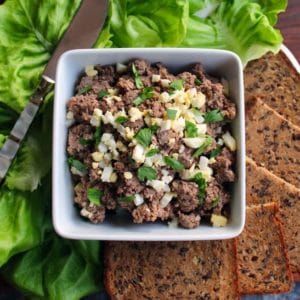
<point x="151" y="142"/>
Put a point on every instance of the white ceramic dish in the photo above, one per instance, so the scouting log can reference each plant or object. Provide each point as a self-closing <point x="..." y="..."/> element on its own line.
<point x="66" y="218"/>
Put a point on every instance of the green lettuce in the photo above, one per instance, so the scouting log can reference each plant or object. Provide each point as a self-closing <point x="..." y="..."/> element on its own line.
<point x="58" y="269"/>
<point x="22" y="217"/>
<point x="239" y="26"/>
<point x="134" y="23"/>
<point x="32" y="256"/>
<point x="29" y="31"/>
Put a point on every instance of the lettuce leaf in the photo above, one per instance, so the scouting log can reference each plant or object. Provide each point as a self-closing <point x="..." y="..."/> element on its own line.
<point x="29" y="31"/>
<point x="239" y="26"/>
<point x="22" y="220"/>
<point x="58" y="269"/>
<point x="134" y="23"/>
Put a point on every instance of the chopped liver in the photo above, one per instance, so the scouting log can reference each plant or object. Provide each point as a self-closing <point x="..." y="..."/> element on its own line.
<point x="150" y="142"/>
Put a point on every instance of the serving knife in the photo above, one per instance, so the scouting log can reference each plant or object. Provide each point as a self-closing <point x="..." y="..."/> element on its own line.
<point x="82" y="33"/>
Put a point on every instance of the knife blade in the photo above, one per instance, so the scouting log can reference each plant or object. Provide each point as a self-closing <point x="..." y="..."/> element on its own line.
<point x="82" y="33"/>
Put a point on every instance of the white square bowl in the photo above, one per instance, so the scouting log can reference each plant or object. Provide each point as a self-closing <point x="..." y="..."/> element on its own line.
<point x="66" y="218"/>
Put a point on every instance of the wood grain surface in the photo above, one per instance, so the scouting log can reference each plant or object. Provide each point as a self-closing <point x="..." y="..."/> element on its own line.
<point x="289" y="24"/>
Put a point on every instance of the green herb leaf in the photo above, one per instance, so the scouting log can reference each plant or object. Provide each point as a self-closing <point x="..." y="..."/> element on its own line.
<point x="198" y="81"/>
<point x="78" y="165"/>
<point x="97" y="135"/>
<point x="191" y="129"/>
<point x="146" y="94"/>
<point x="171" y="113"/>
<point x="146" y="173"/>
<point x="138" y="100"/>
<point x="202" y="185"/>
<point x="201" y="149"/>
<point x="84" y="90"/>
<point x="177" y="84"/>
<point x="83" y="141"/>
<point x="152" y="152"/>
<point x="102" y="94"/>
<point x="137" y="78"/>
<point x="216" y="202"/>
<point x="144" y="137"/>
<point x="121" y="119"/>
<point x="197" y="112"/>
<point x="154" y="128"/>
<point x="215" y="152"/>
<point x="173" y="163"/>
<point x="126" y="199"/>
<point x="94" y="195"/>
<point x="213" y="116"/>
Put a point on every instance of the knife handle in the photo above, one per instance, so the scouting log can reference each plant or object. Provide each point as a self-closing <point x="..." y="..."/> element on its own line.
<point x="17" y="134"/>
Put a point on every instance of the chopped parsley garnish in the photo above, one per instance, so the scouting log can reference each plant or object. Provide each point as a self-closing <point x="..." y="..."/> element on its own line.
<point x="198" y="81"/>
<point x="102" y="94"/>
<point x="137" y="78"/>
<point x="171" y="113"/>
<point x="85" y="89"/>
<point x="197" y="112"/>
<point x="78" y="165"/>
<point x="126" y="198"/>
<point x="152" y="152"/>
<point x="202" y="185"/>
<point x="97" y="135"/>
<point x="154" y="128"/>
<point x="144" y="137"/>
<point x="121" y="119"/>
<point x="94" y="195"/>
<point x="83" y="141"/>
<point x="201" y="149"/>
<point x="216" y="202"/>
<point x="213" y="116"/>
<point x="173" y="163"/>
<point x="215" y="152"/>
<point x="146" y="173"/>
<point x="191" y="129"/>
<point x="177" y="84"/>
<point x="145" y="94"/>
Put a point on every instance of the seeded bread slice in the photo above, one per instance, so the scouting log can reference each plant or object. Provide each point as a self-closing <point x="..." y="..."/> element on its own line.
<point x="261" y="257"/>
<point x="171" y="270"/>
<point x="272" y="141"/>
<point x="263" y="187"/>
<point x="276" y="81"/>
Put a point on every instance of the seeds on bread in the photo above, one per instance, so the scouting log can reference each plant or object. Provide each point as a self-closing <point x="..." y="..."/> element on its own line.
<point x="261" y="254"/>
<point x="263" y="187"/>
<point x="171" y="270"/>
<point x="276" y="81"/>
<point x="272" y="141"/>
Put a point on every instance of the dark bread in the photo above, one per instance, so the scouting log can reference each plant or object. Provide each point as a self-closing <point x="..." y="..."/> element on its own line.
<point x="272" y="141"/>
<point x="171" y="270"/>
<point x="261" y="256"/>
<point x="264" y="187"/>
<point x="276" y="81"/>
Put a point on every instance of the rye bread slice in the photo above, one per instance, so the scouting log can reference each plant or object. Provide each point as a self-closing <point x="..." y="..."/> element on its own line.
<point x="276" y="81"/>
<point x="272" y="141"/>
<point x="263" y="187"/>
<point x="261" y="256"/>
<point x="171" y="270"/>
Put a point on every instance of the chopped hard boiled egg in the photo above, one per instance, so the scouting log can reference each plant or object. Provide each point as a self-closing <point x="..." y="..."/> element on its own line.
<point x="194" y="142"/>
<point x="229" y="141"/>
<point x="218" y="221"/>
